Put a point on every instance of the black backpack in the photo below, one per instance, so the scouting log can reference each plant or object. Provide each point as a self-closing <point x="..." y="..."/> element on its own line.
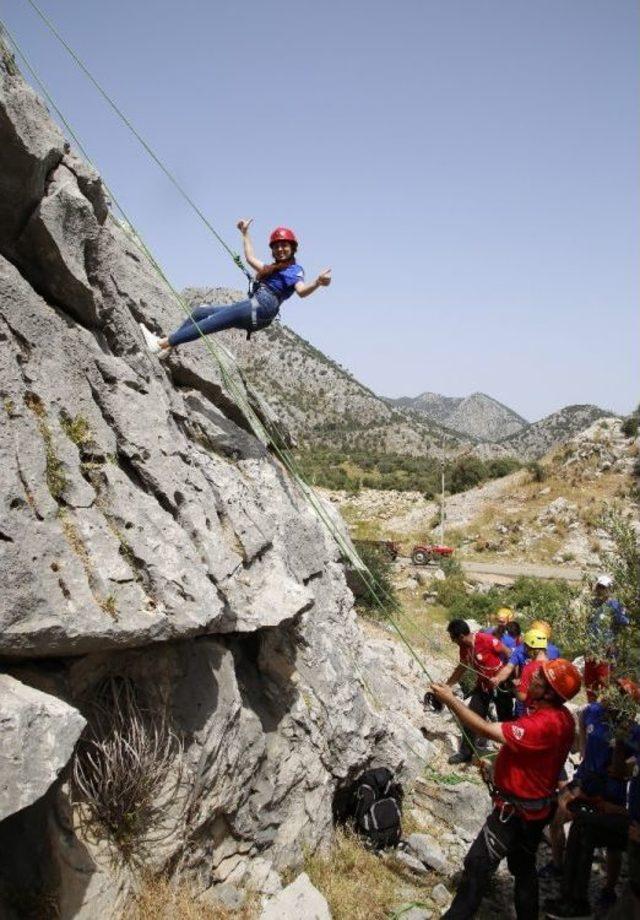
<point x="377" y="808"/>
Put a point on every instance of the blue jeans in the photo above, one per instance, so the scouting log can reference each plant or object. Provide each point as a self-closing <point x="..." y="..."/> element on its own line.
<point x="251" y="314"/>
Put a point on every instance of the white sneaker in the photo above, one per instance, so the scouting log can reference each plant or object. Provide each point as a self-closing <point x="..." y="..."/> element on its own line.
<point x="151" y="340"/>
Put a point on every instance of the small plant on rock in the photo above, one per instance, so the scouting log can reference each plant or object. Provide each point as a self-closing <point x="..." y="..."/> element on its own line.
<point x="126" y="769"/>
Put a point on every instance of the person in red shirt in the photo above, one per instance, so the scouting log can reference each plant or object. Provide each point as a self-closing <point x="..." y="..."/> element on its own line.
<point x="524" y="786"/>
<point x="482" y="653"/>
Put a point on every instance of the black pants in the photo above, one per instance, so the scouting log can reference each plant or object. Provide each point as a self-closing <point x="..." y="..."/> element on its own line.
<point x="479" y="703"/>
<point x="504" y="703"/>
<point x="514" y="838"/>
<point x="588" y="832"/>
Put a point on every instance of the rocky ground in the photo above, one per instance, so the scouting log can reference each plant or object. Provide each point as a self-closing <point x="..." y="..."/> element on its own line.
<point x="551" y="521"/>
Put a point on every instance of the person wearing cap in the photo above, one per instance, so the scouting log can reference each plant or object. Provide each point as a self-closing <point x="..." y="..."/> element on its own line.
<point x="481" y="653"/>
<point x="503" y="617"/>
<point x="522" y="654"/>
<point x="275" y="283"/>
<point x="608" y="814"/>
<point x="608" y="617"/>
<point x="523" y="788"/>
<point x="535" y="642"/>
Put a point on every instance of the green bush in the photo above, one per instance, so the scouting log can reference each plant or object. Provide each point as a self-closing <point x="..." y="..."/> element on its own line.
<point x="384" y="601"/>
<point x="450" y="590"/>
<point x="337" y="468"/>
<point x="530" y="598"/>
<point x="630" y="424"/>
<point x="538" y="472"/>
<point x="466" y="473"/>
<point x="450" y="566"/>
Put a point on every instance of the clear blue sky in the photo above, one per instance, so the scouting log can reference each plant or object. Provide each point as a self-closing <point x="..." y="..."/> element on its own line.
<point x="468" y="169"/>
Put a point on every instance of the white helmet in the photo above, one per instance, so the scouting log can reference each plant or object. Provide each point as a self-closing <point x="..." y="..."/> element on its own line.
<point x="604" y="581"/>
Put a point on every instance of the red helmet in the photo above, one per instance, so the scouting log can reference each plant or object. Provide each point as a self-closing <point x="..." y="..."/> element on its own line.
<point x="563" y="677"/>
<point x="630" y="687"/>
<point x="283" y="233"/>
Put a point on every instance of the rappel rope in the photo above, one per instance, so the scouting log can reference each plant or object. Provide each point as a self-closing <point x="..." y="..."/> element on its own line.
<point x="268" y="434"/>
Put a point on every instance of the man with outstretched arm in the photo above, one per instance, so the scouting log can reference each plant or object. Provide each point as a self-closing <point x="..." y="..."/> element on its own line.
<point x="523" y="788"/>
<point x="482" y="654"/>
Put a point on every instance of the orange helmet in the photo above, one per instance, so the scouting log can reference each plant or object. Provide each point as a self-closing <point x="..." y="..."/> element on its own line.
<point x="630" y="687"/>
<point x="563" y="677"/>
<point x="283" y="233"/>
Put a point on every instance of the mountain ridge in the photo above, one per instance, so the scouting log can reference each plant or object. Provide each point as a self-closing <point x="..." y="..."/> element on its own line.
<point x="323" y="405"/>
<point x="477" y="415"/>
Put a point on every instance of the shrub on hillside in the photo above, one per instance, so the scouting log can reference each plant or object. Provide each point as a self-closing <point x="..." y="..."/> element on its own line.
<point x="377" y="597"/>
<point x="530" y="598"/>
<point x="538" y="472"/>
<point x="630" y="424"/>
<point x="466" y="473"/>
<point x="575" y="632"/>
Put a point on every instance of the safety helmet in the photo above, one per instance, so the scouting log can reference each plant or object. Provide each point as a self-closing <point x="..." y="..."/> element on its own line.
<point x="535" y="638"/>
<point x="604" y="581"/>
<point x="629" y="687"/>
<point x="283" y="233"/>
<point x="504" y="615"/>
<point x="542" y="626"/>
<point x="563" y="677"/>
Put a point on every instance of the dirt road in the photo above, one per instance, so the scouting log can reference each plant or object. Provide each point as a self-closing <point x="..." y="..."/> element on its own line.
<point x="513" y="570"/>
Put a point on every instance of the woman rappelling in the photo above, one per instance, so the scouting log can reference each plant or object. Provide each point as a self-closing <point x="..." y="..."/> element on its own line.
<point x="274" y="284"/>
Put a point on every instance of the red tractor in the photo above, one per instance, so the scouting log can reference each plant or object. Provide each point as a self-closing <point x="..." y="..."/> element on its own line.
<point x="424" y="553"/>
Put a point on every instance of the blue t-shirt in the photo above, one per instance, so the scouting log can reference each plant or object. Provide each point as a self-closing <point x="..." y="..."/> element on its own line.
<point x="284" y="281"/>
<point x="592" y="772"/>
<point x="506" y="639"/>
<point x="519" y="654"/>
<point x="607" y="619"/>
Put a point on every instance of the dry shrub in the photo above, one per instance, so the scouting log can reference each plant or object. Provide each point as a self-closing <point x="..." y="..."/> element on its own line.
<point x="126" y="769"/>
<point x="357" y="884"/>
<point x="158" y="899"/>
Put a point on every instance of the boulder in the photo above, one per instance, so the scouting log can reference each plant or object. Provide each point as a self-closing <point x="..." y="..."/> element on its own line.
<point x="39" y="733"/>
<point x="427" y="850"/>
<point x="441" y="895"/>
<point x="299" y="899"/>
<point x="411" y="862"/>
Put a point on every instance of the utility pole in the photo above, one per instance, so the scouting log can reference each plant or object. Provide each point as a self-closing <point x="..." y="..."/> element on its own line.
<point x="442" y="509"/>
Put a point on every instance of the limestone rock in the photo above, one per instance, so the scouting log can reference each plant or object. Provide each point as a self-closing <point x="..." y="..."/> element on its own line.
<point x="441" y="895"/>
<point x="463" y="807"/>
<point x="411" y="862"/>
<point x="299" y="899"/>
<point x="427" y="850"/>
<point x="39" y="733"/>
<point x="416" y="913"/>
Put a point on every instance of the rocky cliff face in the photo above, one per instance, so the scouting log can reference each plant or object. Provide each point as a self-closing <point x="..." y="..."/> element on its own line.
<point x="149" y="541"/>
